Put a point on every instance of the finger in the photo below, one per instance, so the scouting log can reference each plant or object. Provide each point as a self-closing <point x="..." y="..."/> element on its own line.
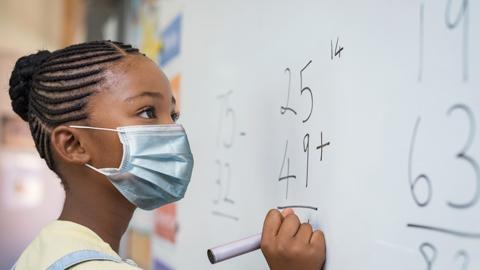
<point x="287" y="211"/>
<point x="318" y="239"/>
<point x="304" y="233"/>
<point x="289" y="227"/>
<point x="271" y="225"/>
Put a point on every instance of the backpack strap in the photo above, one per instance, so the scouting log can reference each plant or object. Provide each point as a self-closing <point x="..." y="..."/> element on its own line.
<point x="81" y="256"/>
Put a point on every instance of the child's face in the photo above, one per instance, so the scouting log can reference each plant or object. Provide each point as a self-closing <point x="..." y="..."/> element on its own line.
<point x="135" y="92"/>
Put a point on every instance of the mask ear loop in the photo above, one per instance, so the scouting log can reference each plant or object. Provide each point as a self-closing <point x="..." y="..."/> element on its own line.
<point x="96" y="128"/>
<point x="95" y="169"/>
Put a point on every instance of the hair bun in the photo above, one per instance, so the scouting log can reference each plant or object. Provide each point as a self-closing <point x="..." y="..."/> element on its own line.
<point x="21" y="81"/>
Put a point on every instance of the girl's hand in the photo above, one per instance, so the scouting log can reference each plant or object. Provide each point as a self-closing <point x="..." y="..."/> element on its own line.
<point x="289" y="245"/>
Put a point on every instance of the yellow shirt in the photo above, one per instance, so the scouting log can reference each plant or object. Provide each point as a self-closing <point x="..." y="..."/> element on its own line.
<point x="62" y="237"/>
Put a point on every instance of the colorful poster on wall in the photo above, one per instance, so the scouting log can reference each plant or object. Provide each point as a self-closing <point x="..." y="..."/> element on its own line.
<point x="165" y="231"/>
<point x="143" y="27"/>
<point x="171" y="37"/>
<point x="165" y="222"/>
<point x="152" y="28"/>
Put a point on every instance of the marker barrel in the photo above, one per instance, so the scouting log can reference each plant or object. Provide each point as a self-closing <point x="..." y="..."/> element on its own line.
<point x="233" y="249"/>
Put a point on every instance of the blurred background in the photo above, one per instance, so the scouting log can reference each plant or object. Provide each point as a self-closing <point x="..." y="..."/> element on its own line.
<point x="30" y="195"/>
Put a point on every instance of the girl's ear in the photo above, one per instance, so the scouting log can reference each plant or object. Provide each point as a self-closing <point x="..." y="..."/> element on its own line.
<point x="69" y="146"/>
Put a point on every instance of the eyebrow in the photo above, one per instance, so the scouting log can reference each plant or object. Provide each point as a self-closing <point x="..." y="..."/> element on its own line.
<point x="144" y="94"/>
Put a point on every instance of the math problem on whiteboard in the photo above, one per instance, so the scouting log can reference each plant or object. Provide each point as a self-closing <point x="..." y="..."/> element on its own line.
<point x="311" y="143"/>
<point x="428" y="192"/>
<point x="422" y="189"/>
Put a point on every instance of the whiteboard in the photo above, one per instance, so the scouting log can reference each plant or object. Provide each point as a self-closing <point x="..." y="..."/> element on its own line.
<point x="365" y="111"/>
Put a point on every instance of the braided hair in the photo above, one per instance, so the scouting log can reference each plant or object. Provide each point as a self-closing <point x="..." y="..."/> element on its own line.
<point x="48" y="89"/>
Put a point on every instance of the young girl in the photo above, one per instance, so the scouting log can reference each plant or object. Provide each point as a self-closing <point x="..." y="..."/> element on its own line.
<point x="102" y="116"/>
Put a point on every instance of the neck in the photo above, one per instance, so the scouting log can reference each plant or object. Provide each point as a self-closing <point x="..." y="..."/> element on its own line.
<point x="105" y="212"/>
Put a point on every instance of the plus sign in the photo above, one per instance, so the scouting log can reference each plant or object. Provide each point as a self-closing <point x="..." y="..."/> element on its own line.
<point x="322" y="145"/>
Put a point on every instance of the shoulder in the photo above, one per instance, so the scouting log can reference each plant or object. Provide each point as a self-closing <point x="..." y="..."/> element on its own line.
<point x="61" y="238"/>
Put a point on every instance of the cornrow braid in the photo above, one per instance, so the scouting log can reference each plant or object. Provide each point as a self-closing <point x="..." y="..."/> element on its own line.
<point x="48" y="89"/>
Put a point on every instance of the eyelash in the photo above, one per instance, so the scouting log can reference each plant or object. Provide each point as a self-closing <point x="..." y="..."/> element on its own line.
<point x="148" y="109"/>
<point x="174" y="115"/>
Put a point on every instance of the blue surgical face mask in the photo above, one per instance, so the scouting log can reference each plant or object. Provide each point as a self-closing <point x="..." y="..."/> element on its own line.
<point x="156" y="166"/>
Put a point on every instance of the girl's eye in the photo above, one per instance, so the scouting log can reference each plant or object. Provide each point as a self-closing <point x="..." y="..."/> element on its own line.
<point x="175" y="116"/>
<point x="148" y="113"/>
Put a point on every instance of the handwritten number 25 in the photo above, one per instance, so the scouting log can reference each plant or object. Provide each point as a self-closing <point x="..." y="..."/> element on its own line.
<point x="303" y="90"/>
